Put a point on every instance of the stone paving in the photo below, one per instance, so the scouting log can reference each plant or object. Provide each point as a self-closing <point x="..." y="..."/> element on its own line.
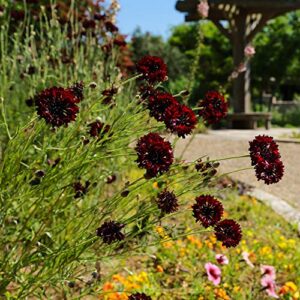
<point x="228" y="143"/>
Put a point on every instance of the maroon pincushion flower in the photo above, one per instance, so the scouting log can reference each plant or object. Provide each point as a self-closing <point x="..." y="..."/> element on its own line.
<point x="77" y="90"/>
<point x="80" y="189"/>
<point x="98" y="129"/>
<point x="180" y="119"/>
<point x="263" y="148"/>
<point x="208" y="210"/>
<point x="265" y="157"/>
<point x="213" y="107"/>
<point x="110" y="232"/>
<point x="139" y="296"/>
<point x="58" y="106"/>
<point x="109" y="94"/>
<point x="154" y="154"/>
<point x="228" y="232"/>
<point x="147" y="91"/>
<point x="158" y="103"/>
<point x="111" y="27"/>
<point x="269" y="172"/>
<point x="167" y="202"/>
<point x="152" y="68"/>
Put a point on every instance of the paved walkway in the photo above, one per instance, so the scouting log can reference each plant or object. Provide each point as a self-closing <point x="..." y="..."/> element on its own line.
<point x="227" y="143"/>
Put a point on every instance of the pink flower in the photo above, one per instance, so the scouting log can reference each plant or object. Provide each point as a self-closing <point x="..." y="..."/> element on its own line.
<point x="222" y="259"/>
<point x="269" y="286"/>
<point x="213" y="273"/>
<point x="268" y="271"/>
<point x="246" y="258"/>
<point x="249" y="51"/>
<point x="203" y="8"/>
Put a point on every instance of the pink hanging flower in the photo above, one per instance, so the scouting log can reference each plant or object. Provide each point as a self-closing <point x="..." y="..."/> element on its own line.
<point x="213" y="273"/>
<point x="203" y="8"/>
<point x="268" y="271"/>
<point x="246" y="258"/>
<point x="222" y="259"/>
<point x="269" y="286"/>
<point x="249" y="51"/>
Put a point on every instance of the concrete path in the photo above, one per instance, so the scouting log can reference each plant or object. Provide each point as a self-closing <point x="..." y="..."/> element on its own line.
<point x="227" y="143"/>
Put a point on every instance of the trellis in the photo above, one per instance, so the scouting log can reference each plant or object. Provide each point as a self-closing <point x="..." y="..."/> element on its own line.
<point x="245" y="18"/>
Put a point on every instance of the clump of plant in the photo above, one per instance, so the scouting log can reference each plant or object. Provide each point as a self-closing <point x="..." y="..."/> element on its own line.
<point x="69" y="202"/>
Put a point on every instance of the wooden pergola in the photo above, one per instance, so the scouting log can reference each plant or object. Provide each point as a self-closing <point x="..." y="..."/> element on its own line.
<point x="245" y="18"/>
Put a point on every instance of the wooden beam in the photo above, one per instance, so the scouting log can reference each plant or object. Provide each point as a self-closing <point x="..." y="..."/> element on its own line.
<point x="225" y="31"/>
<point x="263" y="21"/>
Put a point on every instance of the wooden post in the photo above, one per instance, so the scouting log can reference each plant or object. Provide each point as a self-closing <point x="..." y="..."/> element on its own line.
<point x="241" y="86"/>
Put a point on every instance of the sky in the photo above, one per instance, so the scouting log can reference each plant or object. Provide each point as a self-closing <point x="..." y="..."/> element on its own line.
<point x="155" y="16"/>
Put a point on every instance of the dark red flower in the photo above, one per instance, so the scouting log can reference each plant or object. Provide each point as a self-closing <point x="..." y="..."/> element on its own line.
<point x="265" y="157"/>
<point x="80" y="189"/>
<point x="110" y="232"/>
<point x="98" y="129"/>
<point x="58" y="106"/>
<point x="167" y="202"/>
<point x="139" y="296"/>
<point x="180" y="119"/>
<point x="147" y="91"/>
<point x="207" y="168"/>
<point x="208" y="210"/>
<point x="17" y="15"/>
<point x="154" y="154"/>
<point x="270" y="172"/>
<point x="109" y="94"/>
<point x="158" y="103"/>
<point x="263" y="148"/>
<point x="99" y="17"/>
<point x="111" y="178"/>
<point x="88" y="24"/>
<point x="111" y="27"/>
<point x="77" y="90"/>
<point x="228" y="232"/>
<point x="213" y="107"/>
<point x="152" y="68"/>
<point x="120" y="41"/>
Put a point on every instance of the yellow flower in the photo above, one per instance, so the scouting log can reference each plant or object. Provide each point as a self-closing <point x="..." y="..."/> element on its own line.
<point x="266" y="250"/>
<point x="107" y="286"/>
<point x="236" y="289"/>
<point x="160" y="231"/>
<point x="288" y="287"/>
<point x="155" y="185"/>
<point x="221" y="294"/>
<point x="159" y="269"/>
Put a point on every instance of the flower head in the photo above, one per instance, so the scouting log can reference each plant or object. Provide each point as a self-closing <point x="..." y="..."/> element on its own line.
<point x="154" y="154"/>
<point x="158" y="103"/>
<point x="207" y="210"/>
<point x="110" y="232"/>
<point x="77" y="90"/>
<point x="269" y="286"/>
<point x="268" y="271"/>
<point x="270" y="172"/>
<point x="213" y="273"/>
<point x="249" y="51"/>
<point x="246" y="258"/>
<point x="80" y="189"/>
<point x="139" y="296"/>
<point x="152" y="68"/>
<point x="180" y="119"/>
<point x="263" y="149"/>
<point x="228" y="232"/>
<point x="58" y="106"/>
<point x="213" y="107"/>
<point x="98" y="129"/>
<point x="265" y="156"/>
<point x="222" y="259"/>
<point x="203" y="8"/>
<point x="167" y="202"/>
